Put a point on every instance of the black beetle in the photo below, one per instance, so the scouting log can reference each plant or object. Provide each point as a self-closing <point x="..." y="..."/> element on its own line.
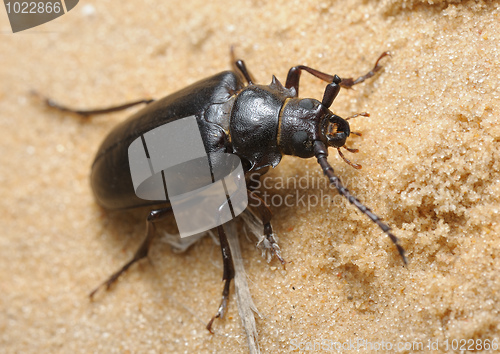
<point x="258" y="123"/>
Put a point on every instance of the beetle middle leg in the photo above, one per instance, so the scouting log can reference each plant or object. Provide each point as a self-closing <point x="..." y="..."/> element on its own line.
<point x="293" y="77"/>
<point x="227" y="275"/>
<point x="239" y="65"/>
<point x="266" y="215"/>
<point x="142" y="252"/>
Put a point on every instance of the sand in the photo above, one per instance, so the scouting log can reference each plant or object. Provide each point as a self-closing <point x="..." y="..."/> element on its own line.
<point x="429" y="150"/>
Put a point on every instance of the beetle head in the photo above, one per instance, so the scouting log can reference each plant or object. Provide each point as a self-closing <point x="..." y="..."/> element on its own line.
<point x="305" y="120"/>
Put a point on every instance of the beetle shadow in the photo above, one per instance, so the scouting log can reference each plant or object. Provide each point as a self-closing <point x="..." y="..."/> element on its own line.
<point x="125" y="231"/>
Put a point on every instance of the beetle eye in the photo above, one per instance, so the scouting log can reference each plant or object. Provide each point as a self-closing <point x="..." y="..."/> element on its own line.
<point x="299" y="142"/>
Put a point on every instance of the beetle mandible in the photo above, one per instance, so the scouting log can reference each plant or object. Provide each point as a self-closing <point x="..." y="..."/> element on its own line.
<point x="258" y="123"/>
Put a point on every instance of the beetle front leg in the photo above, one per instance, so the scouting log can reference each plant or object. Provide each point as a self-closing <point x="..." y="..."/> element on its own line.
<point x="350" y="82"/>
<point x="265" y="216"/>
<point x="227" y="276"/>
<point x="142" y="251"/>
<point x="293" y="77"/>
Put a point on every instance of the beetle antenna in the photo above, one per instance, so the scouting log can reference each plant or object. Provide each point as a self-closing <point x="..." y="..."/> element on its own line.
<point x="351" y="150"/>
<point x="321" y="152"/>
<point x="352" y="164"/>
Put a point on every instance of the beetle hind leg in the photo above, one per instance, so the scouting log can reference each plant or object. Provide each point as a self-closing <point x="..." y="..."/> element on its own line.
<point x="89" y="112"/>
<point x="228" y="275"/>
<point x="142" y="251"/>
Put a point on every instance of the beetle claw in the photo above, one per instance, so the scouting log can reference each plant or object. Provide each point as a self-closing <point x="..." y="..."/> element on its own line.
<point x="269" y="246"/>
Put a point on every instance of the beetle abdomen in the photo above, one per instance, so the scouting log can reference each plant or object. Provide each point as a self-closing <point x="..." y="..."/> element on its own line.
<point x="111" y="178"/>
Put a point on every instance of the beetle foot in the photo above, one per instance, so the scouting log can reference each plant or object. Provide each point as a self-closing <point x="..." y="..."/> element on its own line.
<point x="268" y="244"/>
<point x="219" y="314"/>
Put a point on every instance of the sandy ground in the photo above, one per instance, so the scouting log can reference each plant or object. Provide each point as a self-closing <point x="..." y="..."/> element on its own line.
<point x="430" y="156"/>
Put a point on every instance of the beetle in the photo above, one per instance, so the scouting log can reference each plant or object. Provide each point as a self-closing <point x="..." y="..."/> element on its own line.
<point x="258" y="123"/>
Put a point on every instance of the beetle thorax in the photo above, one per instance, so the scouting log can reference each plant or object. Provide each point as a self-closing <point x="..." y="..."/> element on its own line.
<point x="254" y="124"/>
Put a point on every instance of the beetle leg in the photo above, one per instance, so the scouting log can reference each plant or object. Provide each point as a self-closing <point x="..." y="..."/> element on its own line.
<point x="321" y="153"/>
<point x="142" y="252"/>
<point x="293" y="77"/>
<point x="265" y="216"/>
<point x="239" y="65"/>
<point x="84" y="112"/>
<point x="350" y="82"/>
<point x="227" y="276"/>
